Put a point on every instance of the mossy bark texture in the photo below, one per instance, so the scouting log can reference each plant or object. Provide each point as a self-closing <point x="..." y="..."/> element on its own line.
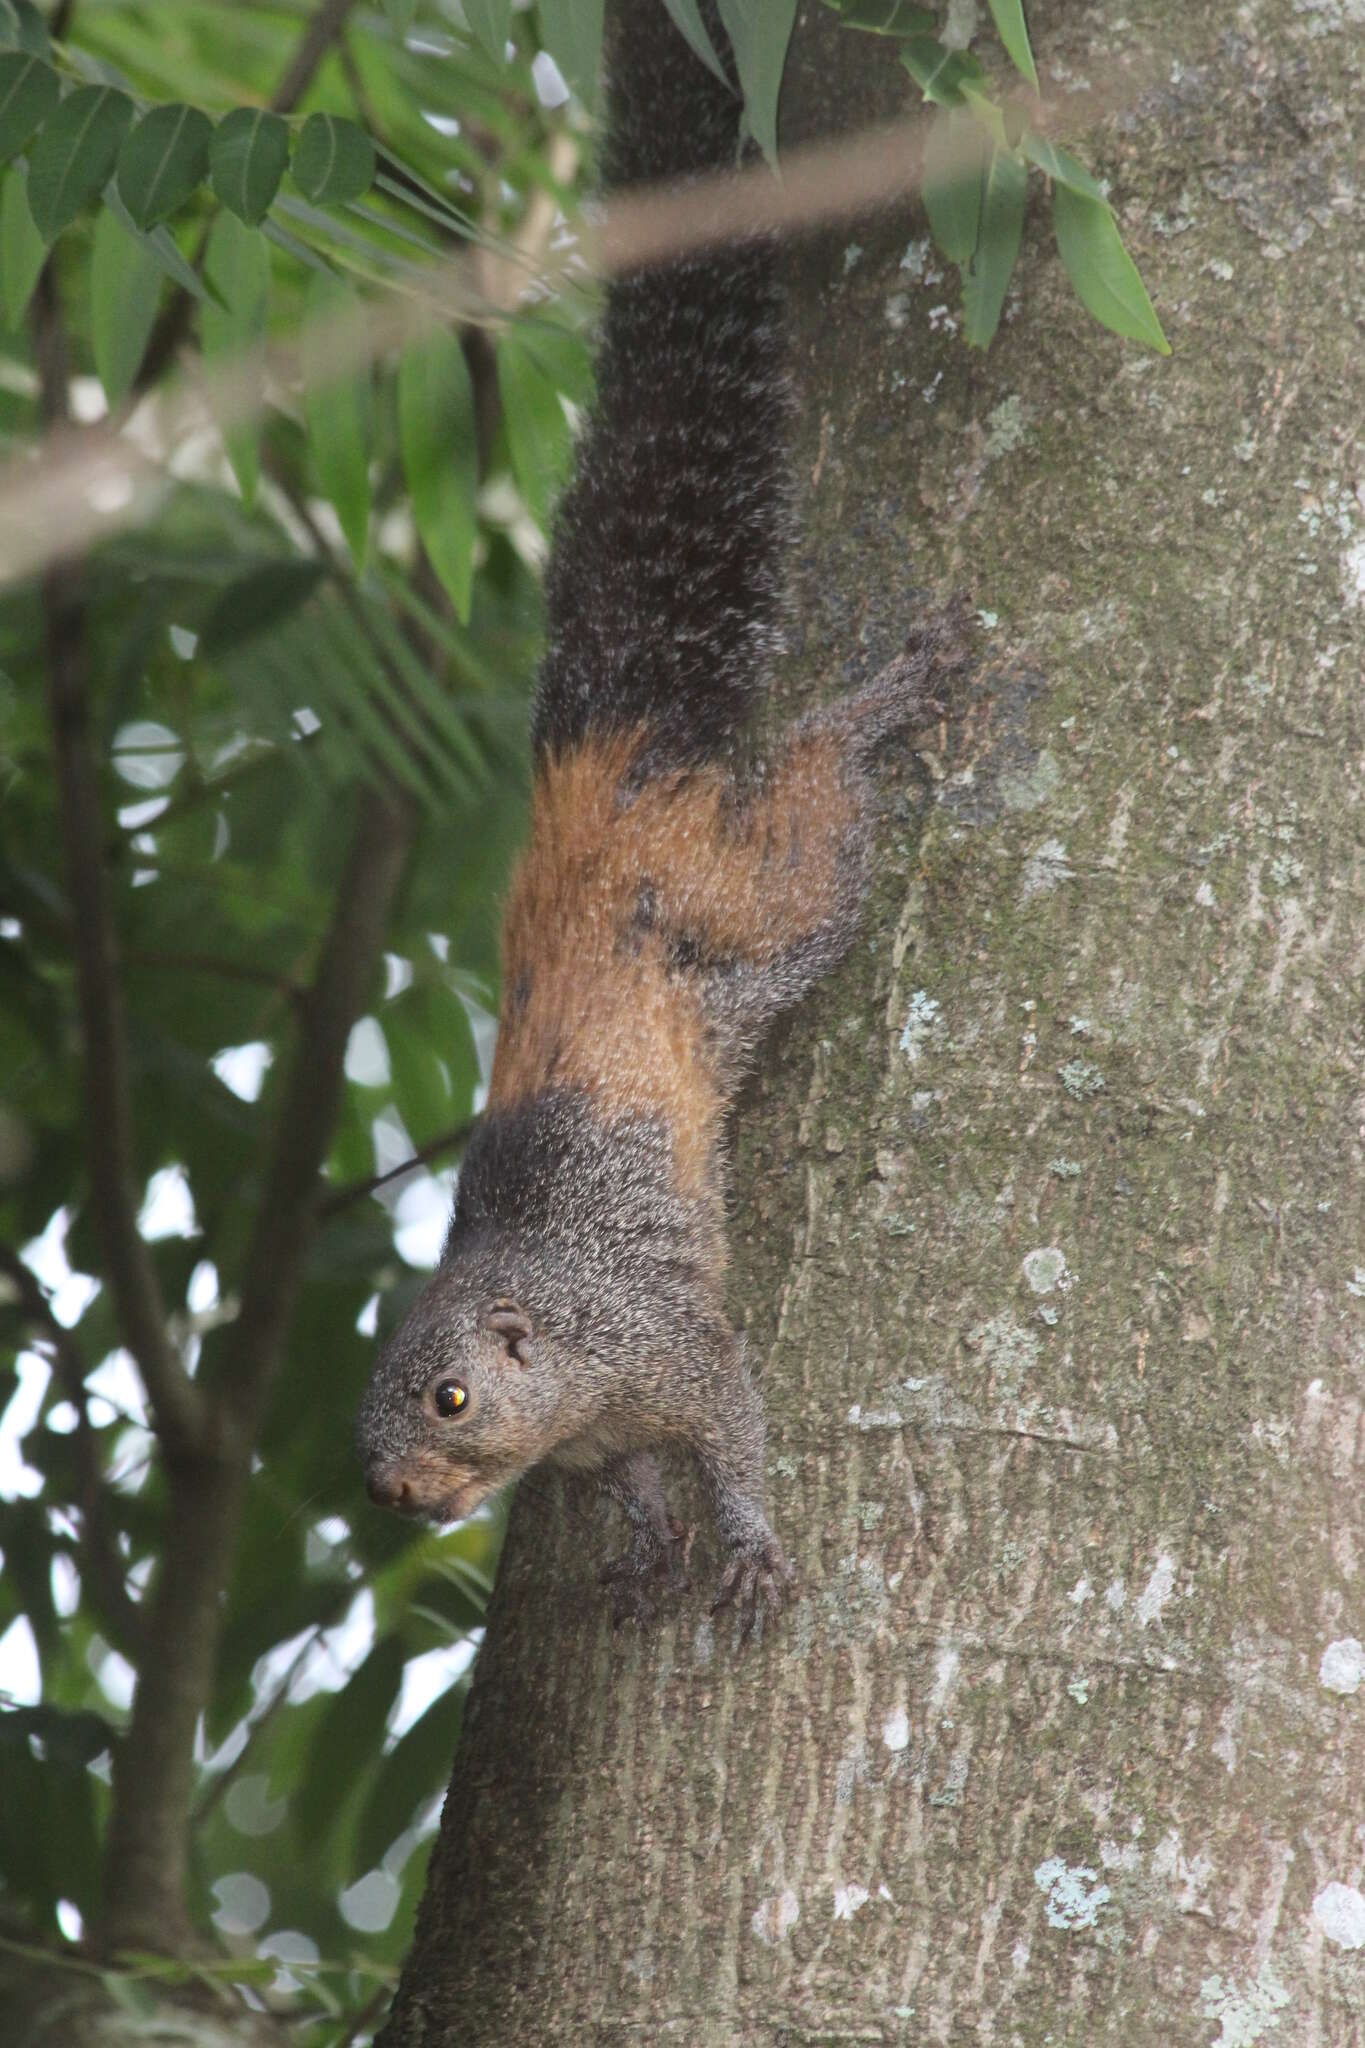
<point x="1050" y="1238"/>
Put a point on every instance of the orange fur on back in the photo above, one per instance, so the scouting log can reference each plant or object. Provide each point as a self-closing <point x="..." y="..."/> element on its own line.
<point x="592" y="997"/>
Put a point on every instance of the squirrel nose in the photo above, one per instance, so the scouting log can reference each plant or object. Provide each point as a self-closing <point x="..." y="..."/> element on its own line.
<point x="386" y="1486"/>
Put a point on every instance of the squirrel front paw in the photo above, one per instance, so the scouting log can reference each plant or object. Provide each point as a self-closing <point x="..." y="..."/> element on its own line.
<point x="641" y="1574"/>
<point x="755" y="1583"/>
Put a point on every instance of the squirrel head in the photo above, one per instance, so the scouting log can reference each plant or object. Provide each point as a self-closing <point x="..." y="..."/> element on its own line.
<point x="461" y="1401"/>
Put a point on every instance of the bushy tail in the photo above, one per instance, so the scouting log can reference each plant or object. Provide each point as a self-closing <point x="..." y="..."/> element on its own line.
<point x="667" y="578"/>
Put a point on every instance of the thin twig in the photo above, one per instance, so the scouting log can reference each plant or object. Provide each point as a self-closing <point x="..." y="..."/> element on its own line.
<point x="357" y="1190"/>
<point x="317" y="39"/>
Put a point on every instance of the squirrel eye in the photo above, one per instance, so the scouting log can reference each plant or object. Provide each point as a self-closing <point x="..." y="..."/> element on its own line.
<point x="450" y="1397"/>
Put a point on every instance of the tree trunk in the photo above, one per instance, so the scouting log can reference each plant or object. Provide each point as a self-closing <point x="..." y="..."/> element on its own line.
<point x="1048" y="1224"/>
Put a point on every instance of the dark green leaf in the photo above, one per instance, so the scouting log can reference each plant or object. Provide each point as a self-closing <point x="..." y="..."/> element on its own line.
<point x="237" y="266"/>
<point x="415" y="1771"/>
<point x="22" y="28"/>
<point x="1009" y="20"/>
<point x="572" y="33"/>
<point x="257" y="603"/>
<point x="884" y="17"/>
<point x="22" y="248"/>
<point x="437" y="436"/>
<point x="939" y="72"/>
<point x="333" y="160"/>
<point x="489" y="20"/>
<point x="687" y="17"/>
<point x="348" y="1738"/>
<point x="1104" y="274"/>
<point x="1060" y="166"/>
<point x="74" y="154"/>
<point x="953" y="166"/>
<point x="759" y="35"/>
<point x="125" y="286"/>
<point x="338" y="413"/>
<point x="1004" y="186"/>
<point x="247" y="156"/>
<point x="162" y="161"/>
<point x="28" y="93"/>
<point x="537" y="428"/>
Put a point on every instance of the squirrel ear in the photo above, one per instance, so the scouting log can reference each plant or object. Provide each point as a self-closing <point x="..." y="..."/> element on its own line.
<point x="513" y="1325"/>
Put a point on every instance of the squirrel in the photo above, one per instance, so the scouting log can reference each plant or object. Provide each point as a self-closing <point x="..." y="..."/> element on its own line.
<point x="671" y="902"/>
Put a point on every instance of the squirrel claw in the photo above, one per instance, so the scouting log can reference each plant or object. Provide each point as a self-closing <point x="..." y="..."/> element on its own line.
<point x="644" y="1571"/>
<point x="756" y="1583"/>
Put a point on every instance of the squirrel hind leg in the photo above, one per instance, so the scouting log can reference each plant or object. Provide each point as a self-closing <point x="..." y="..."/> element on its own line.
<point x="926" y="681"/>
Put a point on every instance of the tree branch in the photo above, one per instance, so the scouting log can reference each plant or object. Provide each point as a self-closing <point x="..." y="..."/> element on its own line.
<point x="316" y="40"/>
<point x="132" y="1275"/>
<point x="103" y="1565"/>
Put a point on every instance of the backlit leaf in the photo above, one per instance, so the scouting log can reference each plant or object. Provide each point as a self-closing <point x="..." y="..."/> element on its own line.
<point x="489" y="20"/>
<point x="953" y="166"/>
<point x="939" y="72"/>
<point x="237" y="265"/>
<point x="125" y="286"/>
<point x="338" y="414"/>
<point x="537" y="428"/>
<point x="1104" y="274"/>
<point x="759" y="32"/>
<point x="333" y="160"/>
<point x="1004" y="185"/>
<point x="1009" y="20"/>
<point x="687" y="17"/>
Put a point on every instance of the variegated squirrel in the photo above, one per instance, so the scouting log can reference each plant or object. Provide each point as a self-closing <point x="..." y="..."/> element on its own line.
<point x="670" y="903"/>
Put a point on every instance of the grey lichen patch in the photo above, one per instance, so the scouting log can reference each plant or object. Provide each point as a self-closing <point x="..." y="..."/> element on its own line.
<point x="1009" y="1350"/>
<point x="1081" y="1079"/>
<point x="1006" y="427"/>
<point x="1035" y="783"/>
<point x="924" y="1013"/>
<point x="1045" y="869"/>
<point x="1247" y="2010"/>
<point x="1075" y="1895"/>
<point x="1045" y="1269"/>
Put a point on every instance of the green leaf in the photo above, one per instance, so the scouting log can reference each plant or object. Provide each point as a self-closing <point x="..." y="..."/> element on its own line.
<point x="938" y="72"/>
<point x="571" y="31"/>
<point x="1004" y="186"/>
<point x="22" y="248"/>
<point x="338" y="415"/>
<point x="687" y="17"/>
<point x="437" y="438"/>
<point x="22" y="28"/>
<point x="125" y="286"/>
<point x="162" y="161"/>
<point x="759" y="32"/>
<point x="160" y="243"/>
<point x="538" y="434"/>
<point x="1104" y="274"/>
<point x="1060" y="166"/>
<point x="237" y="266"/>
<point x="1009" y="20"/>
<point x="74" y="155"/>
<point x="489" y="20"/>
<point x="953" y="168"/>
<point x="247" y="156"/>
<point x="884" y="17"/>
<point x="333" y="160"/>
<point x="28" y="93"/>
<point x="400" y="13"/>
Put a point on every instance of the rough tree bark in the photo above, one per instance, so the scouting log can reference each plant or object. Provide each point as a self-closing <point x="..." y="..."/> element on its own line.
<point x="1049" y="1227"/>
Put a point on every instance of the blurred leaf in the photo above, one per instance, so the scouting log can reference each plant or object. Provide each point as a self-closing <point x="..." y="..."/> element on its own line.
<point x="349" y="1736"/>
<point x="400" y="13"/>
<point x="22" y="248"/>
<point x="572" y="33"/>
<point x="1004" y="187"/>
<point x="1009" y="20"/>
<point x="489" y="19"/>
<point x="247" y="156"/>
<point x="28" y="93"/>
<point x="687" y="17"/>
<point x="125" y="287"/>
<point x="937" y="71"/>
<point x="537" y="426"/>
<point x="1060" y="165"/>
<point x="162" y="160"/>
<point x="1100" y="268"/>
<point x="22" y="27"/>
<point x="333" y="160"/>
<point x="338" y="414"/>
<point x="437" y="436"/>
<point x="237" y="265"/>
<point x="74" y="154"/>
<point x="414" y="1771"/>
<point x="256" y="603"/>
<point x="159" y="243"/>
<point x="759" y="32"/>
<point x="952" y="183"/>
